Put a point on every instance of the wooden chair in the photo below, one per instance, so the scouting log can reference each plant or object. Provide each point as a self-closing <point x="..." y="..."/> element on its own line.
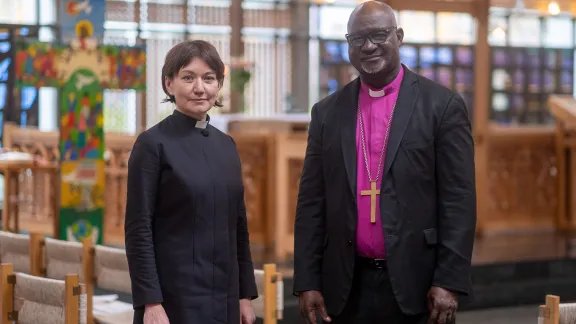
<point x="108" y="269"/>
<point x="15" y="249"/>
<point x="555" y="313"/>
<point x="31" y="299"/>
<point x="270" y="304"/>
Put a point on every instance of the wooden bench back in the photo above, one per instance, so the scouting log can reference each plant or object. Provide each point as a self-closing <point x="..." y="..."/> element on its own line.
<point x="553" y="312"/>
<point x="26" y="297"/>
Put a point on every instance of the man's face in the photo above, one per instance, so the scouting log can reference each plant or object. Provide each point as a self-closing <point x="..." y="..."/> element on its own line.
<point x="373" y="42"/>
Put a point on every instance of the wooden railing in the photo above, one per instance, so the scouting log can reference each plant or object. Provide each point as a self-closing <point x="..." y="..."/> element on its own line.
<point x="35" y="211"/>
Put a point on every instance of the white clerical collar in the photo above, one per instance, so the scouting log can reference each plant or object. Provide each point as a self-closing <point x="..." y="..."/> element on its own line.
<point x="376" y="94"/>
<point x="201" y="124"/>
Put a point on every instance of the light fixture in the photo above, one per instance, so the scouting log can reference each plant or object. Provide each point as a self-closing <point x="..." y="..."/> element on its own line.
<point x="499" y="33"/>
<point x="553" y="7"/>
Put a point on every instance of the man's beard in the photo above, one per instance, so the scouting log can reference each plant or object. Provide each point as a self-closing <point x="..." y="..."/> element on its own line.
<point x="369" y="68"/>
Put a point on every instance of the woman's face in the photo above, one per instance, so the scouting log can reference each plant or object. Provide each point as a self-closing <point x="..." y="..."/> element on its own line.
<point x="195" y="88"/>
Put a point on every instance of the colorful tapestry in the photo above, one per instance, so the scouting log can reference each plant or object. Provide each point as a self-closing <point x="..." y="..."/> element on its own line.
<point x="82" y="19"/>
<point x="82" y="199"/>
<point x="81" y="118"/>
<point x="82" y="69"/>
<point x="49" y="65"/>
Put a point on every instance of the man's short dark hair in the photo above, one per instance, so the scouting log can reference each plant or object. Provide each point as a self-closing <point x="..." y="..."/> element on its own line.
<point x="182" y="54"/>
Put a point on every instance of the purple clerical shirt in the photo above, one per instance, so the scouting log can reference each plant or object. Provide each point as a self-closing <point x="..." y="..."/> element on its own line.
<point x="376" y="109"/>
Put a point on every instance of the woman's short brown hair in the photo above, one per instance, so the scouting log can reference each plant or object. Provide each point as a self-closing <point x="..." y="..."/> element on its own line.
<point x="182" y="54"/>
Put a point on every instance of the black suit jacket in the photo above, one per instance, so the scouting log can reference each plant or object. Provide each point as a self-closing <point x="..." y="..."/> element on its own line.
<point x="428" y="200"/>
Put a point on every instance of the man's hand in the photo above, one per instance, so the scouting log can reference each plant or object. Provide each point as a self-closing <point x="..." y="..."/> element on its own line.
<point x="310" y="302"/>
<point x="155" y="314"/>
<point x="247" y="315"/>
<point x="442" y="305"/>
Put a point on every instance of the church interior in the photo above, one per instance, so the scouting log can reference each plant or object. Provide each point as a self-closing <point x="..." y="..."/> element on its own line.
<point x="511" y="60"/>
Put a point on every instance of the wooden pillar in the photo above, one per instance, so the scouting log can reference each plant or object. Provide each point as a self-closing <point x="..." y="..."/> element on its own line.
<point x="300" y="39"/>
<point x="236" y="50"/>
<point x="481" y="109"/>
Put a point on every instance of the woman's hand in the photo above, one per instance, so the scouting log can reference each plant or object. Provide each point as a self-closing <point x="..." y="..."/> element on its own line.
<point x="155" y="314"/>
<point x="247" y="312"/>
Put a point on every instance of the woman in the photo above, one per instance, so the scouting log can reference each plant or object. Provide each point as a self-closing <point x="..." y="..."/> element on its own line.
<point x="186" y="231"/>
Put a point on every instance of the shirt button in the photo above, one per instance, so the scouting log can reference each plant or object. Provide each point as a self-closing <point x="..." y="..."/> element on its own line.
<point x="350" y="242"/>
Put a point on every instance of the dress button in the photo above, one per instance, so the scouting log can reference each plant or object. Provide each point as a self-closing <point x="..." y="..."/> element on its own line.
<point x="350" y="242"/>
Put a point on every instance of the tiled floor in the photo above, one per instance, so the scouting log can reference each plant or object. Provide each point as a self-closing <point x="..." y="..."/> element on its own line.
<point x="516" y="315"/>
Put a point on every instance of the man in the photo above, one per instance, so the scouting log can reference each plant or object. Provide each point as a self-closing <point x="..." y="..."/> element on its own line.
<point x="386" y="211"/>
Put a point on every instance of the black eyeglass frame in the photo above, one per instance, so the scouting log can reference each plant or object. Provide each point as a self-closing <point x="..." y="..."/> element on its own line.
<point x="369" y="35"/>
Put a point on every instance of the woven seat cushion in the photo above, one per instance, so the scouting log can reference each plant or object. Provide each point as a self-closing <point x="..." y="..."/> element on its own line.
<point x="112" y="269"/>
<point x="62" y="258"/>
<point x="568" y="313"/>
<point x="39" y="300"/>
<point x="15" y="249"/>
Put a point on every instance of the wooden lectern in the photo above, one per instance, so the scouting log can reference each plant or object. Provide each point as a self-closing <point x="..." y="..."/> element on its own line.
<point x="563" y="108"/>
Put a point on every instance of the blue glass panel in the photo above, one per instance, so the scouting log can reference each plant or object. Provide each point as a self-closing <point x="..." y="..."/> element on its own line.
<point x="567" y="59"/>
<point x="331" y="52"/>
<point x="4" y="34"/>
<point x="344" y="51"/>
<point x="2" y="96"/>
<point x="445" y="56"/>
<point x="29" y="95"/>
<point x="408" y="56"/>
<point x="332" y="85"/>
<point x="4" y="47"/>
<point x="23" y="118"/>
<point x="24" y="31"/>
<point x="427" y="56"/>
<point x="4" y="65"/>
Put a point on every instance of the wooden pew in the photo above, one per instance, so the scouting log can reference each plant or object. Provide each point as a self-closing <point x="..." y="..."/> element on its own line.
<point x="563" y="108"/>
<point x="16" y="250"/>
<point x="26" y="298"/>
<point x="107" y="268"/>
<point x="98" y="266"/>
<point x="553" y="312"/>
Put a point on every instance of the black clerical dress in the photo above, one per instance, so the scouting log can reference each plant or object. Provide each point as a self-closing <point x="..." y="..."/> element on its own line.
<point x="186" y="231"/>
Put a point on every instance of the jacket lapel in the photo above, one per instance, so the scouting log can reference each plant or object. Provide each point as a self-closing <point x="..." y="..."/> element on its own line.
<point x="349" y="102"/>
<point x="402" y="113"/>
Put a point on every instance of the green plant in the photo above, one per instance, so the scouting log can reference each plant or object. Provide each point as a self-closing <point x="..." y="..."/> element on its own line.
<point x="239" y="77"/>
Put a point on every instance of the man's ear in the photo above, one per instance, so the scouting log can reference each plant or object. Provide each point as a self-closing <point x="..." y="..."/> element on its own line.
<point x="400" y="35"/>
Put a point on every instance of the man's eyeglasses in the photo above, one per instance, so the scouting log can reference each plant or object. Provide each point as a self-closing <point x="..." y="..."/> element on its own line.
<point x="376" y="37"/>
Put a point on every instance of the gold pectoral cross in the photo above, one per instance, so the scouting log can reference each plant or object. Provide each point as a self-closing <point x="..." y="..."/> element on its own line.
<point x="373" y="192"/>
